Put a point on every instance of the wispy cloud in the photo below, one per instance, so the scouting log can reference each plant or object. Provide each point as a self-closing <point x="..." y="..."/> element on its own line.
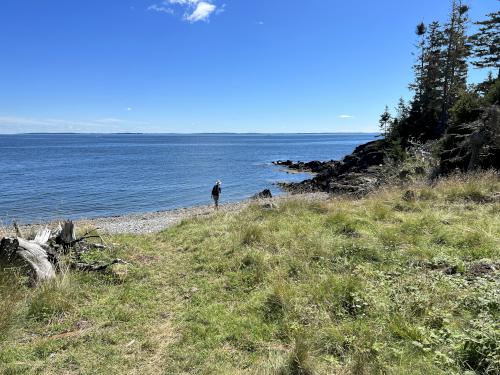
<point x="110" y="120"/>
<point x="202" y="12"/>
<point x="15" y="124"/>
<point x="193" y="10"/>
<point x="161" y="9"/>
<point x="345" y="116"/>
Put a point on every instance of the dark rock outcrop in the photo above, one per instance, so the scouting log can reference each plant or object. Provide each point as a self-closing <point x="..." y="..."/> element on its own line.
<point x="266" y="193"/>
<point x="314" y="166"/>
<point x="357" y="174"/>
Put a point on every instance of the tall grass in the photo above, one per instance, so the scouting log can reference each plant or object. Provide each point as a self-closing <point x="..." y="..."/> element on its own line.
<point x="11" y="295"/>
<point x="380" y="285"/>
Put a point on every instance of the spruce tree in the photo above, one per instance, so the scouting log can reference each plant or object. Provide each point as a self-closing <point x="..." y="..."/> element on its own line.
<point x="455" y="60"/>
<point x="486" y="43"/>
<point x="418" y="68"/>
<point x="433" y="70"/>
<point x="402" y="110"/>
<point x="385" y="119"/>
<point x="425" y="107"/>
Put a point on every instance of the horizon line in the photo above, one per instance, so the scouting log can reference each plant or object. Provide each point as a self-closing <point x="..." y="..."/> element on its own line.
<point x="175" y="133"/>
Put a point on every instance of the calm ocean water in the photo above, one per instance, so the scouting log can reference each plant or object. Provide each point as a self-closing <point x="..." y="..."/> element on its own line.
<point x="52" y="176"/>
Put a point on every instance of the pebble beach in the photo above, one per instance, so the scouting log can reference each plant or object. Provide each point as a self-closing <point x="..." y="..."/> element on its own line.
<point x="154" y="222"/>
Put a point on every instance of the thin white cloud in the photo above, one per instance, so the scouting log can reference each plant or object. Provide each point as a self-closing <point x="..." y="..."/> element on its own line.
<point x="14" y="124"/>
<point x="202" y="12"/>
<point x="345" y="116"/>
<point x="193" y="10"/>
<point x="182" y="2"/>
<point x="161" y="9"/>
<point x="221" y="9"/>
<point x="110" y="121"/>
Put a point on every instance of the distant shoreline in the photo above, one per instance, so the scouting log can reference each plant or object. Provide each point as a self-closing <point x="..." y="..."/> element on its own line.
<point x="87" y="176"/>
<point x="223" y="133"/>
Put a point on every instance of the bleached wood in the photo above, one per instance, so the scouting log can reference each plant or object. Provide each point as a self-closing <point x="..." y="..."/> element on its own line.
<point x="42" y="236"/>
<point x="31" y="253"/>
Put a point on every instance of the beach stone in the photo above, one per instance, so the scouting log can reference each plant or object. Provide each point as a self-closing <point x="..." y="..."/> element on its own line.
<point x="266" y="193"/>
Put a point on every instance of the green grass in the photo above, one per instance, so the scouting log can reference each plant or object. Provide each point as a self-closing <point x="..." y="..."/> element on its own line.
<point x="381" y="285"/>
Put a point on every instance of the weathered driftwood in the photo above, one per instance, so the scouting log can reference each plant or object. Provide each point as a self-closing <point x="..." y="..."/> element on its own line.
<point x="42" y="236"/>
<point x="31" y="254"/>
<point x="97" y="266"/>
<point x="66" y="235"/>
<point x="41" y="254"/>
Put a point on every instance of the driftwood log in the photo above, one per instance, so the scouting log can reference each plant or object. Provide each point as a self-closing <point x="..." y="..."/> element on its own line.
<point x="31" y="253"/>
<point x="41" y="254"/>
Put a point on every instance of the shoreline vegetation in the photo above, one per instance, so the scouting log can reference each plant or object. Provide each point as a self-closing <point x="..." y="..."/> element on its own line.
<point x="403" y="280"/>
<point x="396" y="270"/>
<point x="153" y="222"/>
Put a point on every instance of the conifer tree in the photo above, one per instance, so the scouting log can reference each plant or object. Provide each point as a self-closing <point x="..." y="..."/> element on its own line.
<point x="402" y="110"/>
<point x="425" y="107"/>
<point x="418" y="86"/>
<point x="433" y="69"/>
<point x="455" y="59"/>
<point x="486" y="43"/>
<point x="385" y="119"/>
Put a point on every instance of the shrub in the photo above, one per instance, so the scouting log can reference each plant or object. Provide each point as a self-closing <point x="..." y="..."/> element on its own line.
<point x="479" y="349"/>
<point x="493" y="94"/>
<point x="342" y="296"/>
<point x="466" y="108"/>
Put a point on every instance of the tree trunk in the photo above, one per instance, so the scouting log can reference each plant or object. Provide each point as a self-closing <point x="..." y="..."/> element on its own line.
<point x="67" y="234"/>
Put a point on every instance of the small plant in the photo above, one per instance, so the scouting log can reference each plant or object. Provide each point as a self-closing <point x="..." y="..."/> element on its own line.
<point x="251" y="234"/>
<point x="479" y="349"/>
<point x="342" y="296"/>
<point x="380" y="211"/>
<point x="299" y="362"/>
<point x="342" y="224"/>
<point x="253" y="269"/>
<point x="276" y="303"/>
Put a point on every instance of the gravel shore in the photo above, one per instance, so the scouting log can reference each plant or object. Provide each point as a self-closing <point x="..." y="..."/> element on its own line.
<point x="157" y="221"/>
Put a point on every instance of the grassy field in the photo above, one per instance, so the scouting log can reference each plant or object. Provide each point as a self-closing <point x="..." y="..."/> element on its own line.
<point x="396" y="283"/>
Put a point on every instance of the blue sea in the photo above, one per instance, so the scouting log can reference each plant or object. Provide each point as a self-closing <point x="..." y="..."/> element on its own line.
<point x="55" y="176"/>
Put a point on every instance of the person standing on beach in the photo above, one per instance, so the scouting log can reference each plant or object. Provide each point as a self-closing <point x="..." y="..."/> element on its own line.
<point x="216" y="190"/>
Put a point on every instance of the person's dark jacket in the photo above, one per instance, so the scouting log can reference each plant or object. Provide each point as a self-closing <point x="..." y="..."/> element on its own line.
<point x="216" y="190"/>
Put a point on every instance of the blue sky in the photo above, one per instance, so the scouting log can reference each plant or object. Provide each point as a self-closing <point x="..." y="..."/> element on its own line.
<point x="208" y="65"/>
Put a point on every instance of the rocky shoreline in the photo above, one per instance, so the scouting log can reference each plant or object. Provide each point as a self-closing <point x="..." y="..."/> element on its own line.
<point x="357" y="174"/>
<point x="314" y="166"/>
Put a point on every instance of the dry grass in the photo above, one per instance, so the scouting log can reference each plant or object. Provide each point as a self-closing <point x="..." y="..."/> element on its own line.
<point x="381" y="285"/>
